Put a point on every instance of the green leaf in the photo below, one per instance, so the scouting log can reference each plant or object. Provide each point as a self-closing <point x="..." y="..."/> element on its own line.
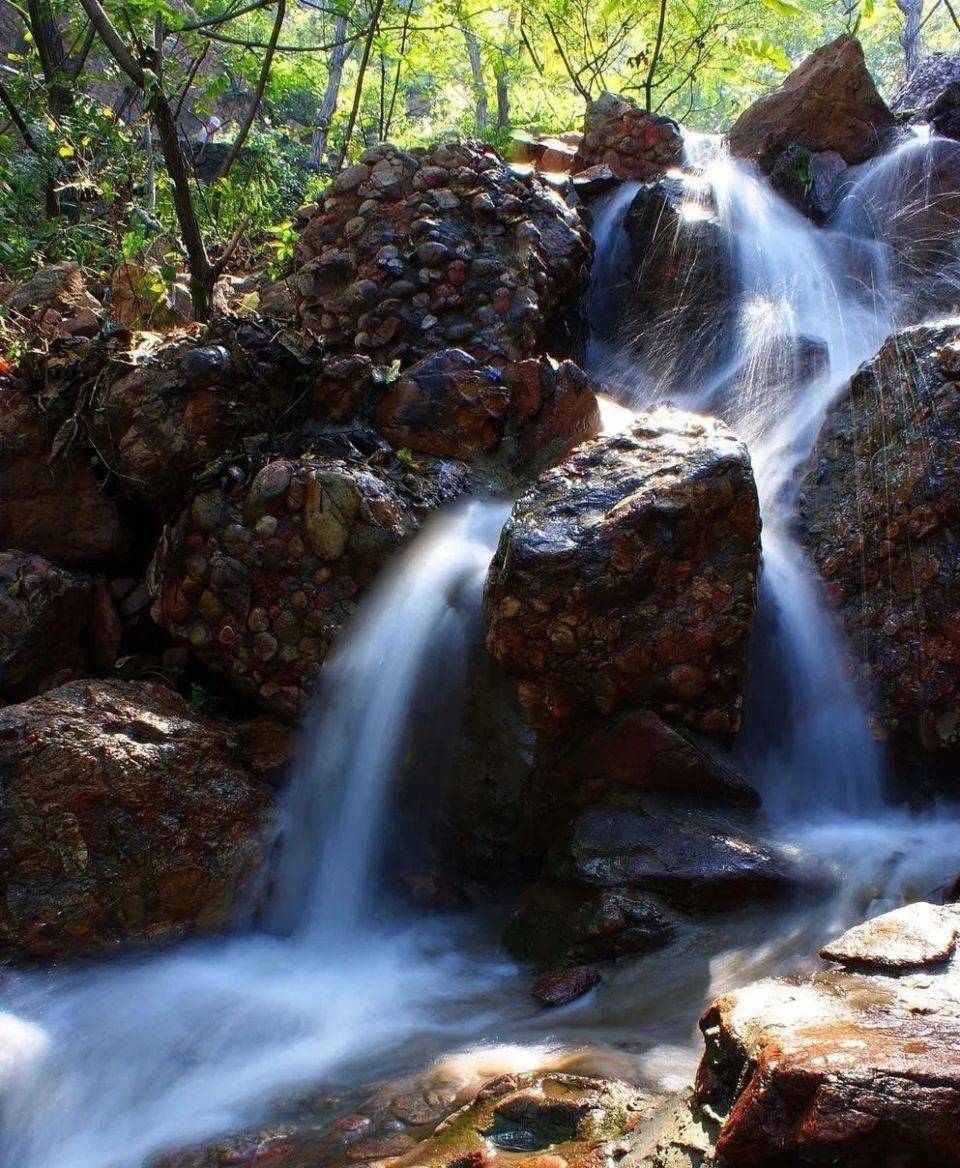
<point x="783" y="7"/>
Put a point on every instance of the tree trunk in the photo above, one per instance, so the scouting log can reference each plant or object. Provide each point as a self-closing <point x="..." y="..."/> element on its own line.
<point x="910" y="33"/>
<point x="476" y="68"/>
<point x="339" y="55"/>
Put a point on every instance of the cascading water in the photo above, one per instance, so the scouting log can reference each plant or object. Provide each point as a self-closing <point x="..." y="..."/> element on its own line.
<point x="102" y="1066"/>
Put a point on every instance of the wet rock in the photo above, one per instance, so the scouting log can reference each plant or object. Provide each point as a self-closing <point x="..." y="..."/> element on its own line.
<point x="272" y="553"/>
<point x="562" y="923"/>
<point x="696" y="864"/>
<point x="932" y="94"/>
<point x="844" y="1068"/>
<point x="559" y="987"/>
<point x="679" y="320"/>
<point x="626" y="578"/>
<point x="811" y="181"/>
<point x="125" y="817"/>
<point x="633" y="143"/>
<point x="829" y="102"/>
<point x="880" y="509"/>
<point x="172" y="404"/>
<point x="45" y="617"/>
<point x="49" y="505"/>
<point x="919" y="934"/>
<point x="449" y="405"/>
<point x="594" y="181"/>
<point x="408" y="255"/>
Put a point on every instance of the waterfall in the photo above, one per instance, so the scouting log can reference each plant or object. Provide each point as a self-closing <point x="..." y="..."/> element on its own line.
<point x="102" y="1066"/>
<point x="809" y="305"/>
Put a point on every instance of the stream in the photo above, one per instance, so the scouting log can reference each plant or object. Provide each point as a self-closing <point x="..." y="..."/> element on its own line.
<point x="104" y="1064"/>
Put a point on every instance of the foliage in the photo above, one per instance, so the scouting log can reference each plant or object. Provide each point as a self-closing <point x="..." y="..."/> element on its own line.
<point x="415" y="70"/>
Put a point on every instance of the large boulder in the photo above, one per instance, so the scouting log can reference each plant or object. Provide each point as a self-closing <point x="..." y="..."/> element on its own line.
<point x="627" y="576"/>
<point x="854" y="1068"/>
<point x="880" y="508"/>
<point x="406" y="255"/>
<point x="125" y="817"/>
<point x="51" y="620"/>
<point x="630" y="141"/>
<point x="271" y="554"/>
<point x="50" y="505"/>
<point x="829" y="102"/>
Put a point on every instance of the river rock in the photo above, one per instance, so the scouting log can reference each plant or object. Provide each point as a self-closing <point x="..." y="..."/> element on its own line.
<point x="919" y="934"/>
<point x="880" y="510"/>
<point x="562" y="923"/>
<point x="811" y="181"/>
<point x="271" y="554"/>
<point x="847" y="1068"/>
<point x="125" y="817"/>
<point x="626" y="578"/>
<point x="169" y="405"/>
<point x="449" y="405"/>
<point x="406" y="255"/>
<point x="559" y="987"/>
<point x="632" y="142"/>
<point x="50" y="505"/>
<point x="829" y="102"/>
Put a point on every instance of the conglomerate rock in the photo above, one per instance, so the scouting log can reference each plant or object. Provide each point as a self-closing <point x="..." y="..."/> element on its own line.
<point x="50" y="620"/>
<point x="409" y="254"/>
<point x="932" y="94"/>
<point x="880" y="507"/>
<point x="829" y="102"/>
<point x="632" y="142"/>
<point x="125" y="817"/>
<point x="626" y="577"/>
<point x="859" y="1069"/>
<point x="271" y="554"/>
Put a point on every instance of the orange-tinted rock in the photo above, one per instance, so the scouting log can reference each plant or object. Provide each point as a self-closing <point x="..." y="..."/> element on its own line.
<point x="125" y="817"/>
<point x="829" y="102"/>
<point x="631" y="142"/>
<point x="626" y="570"/>
<point x="918" y="934"/>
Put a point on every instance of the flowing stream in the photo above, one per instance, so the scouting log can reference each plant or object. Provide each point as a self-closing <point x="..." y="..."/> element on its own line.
<point x="104" y="1064"/>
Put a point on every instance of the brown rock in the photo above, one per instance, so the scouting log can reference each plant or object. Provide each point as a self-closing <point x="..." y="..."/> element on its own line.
<point x="60" y="287"/>
<point x="53" y="507"/>
<point x="631" y="142"/>
<point x="562" y="986"/>
<point x="636" y="555"/>
<point x="125" y="816"/>
<point x="880" y="508"/>
<point x="45" y="618"/>
<point x="829" y="102"/>
<point x="840" y="1068"/>
<point x="919" y="934"/>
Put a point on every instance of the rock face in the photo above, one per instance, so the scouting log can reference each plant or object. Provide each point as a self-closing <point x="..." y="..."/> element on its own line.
<point x="933" y="94"/>
<point x="125" y="817"/>
<point x="44" y="617"/>
<point x="633" y="143"/>
<point x="53" y="507"/>
<point x="858" y="1069"/>
<point x="829" y="102"/>
<point x="880" y="509"/>
<point x="626" y="577"/>
<point x="173" y="404"/>
<point x="407" y="255"/>
<point x="268" y="560"/>
<point x="812" y="182"/>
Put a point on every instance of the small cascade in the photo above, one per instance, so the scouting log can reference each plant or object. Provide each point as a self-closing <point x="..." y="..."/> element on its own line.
<point x="412" y="632"/>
